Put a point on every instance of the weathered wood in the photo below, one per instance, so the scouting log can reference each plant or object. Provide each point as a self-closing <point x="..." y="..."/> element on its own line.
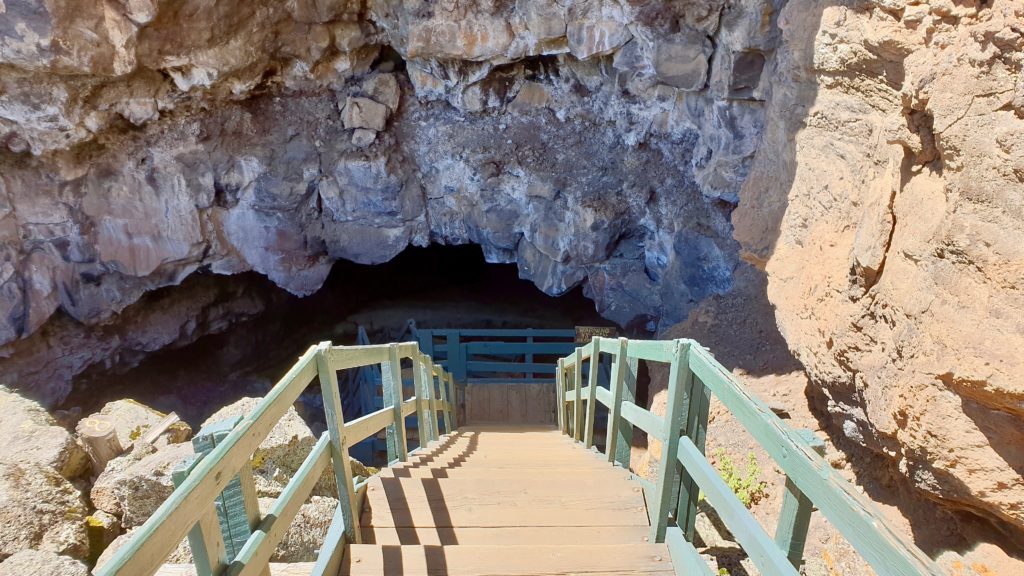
<point x="685" y="558"/>
<point x="160" y="427"/>
<point x="577" y="408"/>
<point x="252" y="559"/>
<point x="611" y="560"/>
<point x="365" y="426"/>
<point x="588" y="434"/>
<point x="652" y="350"/>
<point x="850" y="512"/>
<point x="251" y="503"/>
<point x="560" y="397"/>
<point x="540" y="404"/>
<point x="100" y="439"/>
<point x="338" y="443"/>
<point x="643" y="419"/>
<point x="795" y="516"/>
<point x="230" y="503"/>
<point x="616" y="386"/>
<point x="345" y="357"/>
<point x="517" y="535"/>
<point x="624" y="442"/>
<point x="277" y="569"/>
<point x="516" y="403"/>
<point x="675" y="416"/>
<point x="209" y="554"/>
<point x="398" y="447"/>
<point x="697" y="402"/>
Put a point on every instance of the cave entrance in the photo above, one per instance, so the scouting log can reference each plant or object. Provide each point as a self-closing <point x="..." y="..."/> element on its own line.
<point x="437" y="287"/>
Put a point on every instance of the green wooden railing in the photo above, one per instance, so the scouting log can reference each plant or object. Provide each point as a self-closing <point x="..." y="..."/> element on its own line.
<point x="190" y="510"/>
<point x="694" y="378"/>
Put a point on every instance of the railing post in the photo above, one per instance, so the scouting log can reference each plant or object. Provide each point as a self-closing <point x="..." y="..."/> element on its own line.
<point x="560" y="396"/>
<point x="453" y="403"/>
<point x="795" y="517"/>
<point x="391" y="378"/>
<point x="697" y="401"/>
<point x="422" y="410"/>
<point x="675" y="414"/>
<point x="595" y="360"/>
<point x="612" y="440"/>
<point x="442" y="393"/>
<point x="209" y="554"/>
<point x="456" y="360"/>
<point x="428" y="366"/>
<point x="577" y="377"/>
<point x="339" y="444"/>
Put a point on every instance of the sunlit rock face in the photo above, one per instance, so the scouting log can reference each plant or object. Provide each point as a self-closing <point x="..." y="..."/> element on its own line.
<point x="592" y="143"/>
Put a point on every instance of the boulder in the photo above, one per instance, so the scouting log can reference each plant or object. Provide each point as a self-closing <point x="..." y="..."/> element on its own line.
<point x="41" y="510"/>
<point x="681" y="60"/>
<point x="31" y="436"/>
<point x="306" y="534"/>
<point x="134" y="485"/>
<point x="103" y="528"/>
<point x="42" y="563"/>
<point x="383" y="88"/>
<point x="181" y="555"/>
<point x="364" y="113"/>
<point x="281" y="453"/>
<point x="133" y="419"/>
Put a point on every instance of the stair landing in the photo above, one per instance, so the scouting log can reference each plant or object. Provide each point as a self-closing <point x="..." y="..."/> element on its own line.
<point x="502" y="500"/>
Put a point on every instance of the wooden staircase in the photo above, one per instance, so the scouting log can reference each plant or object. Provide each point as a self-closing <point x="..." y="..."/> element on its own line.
<point x="505" y="501"/>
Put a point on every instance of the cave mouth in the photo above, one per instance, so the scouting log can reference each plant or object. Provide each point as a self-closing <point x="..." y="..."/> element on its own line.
<point x="436" y="287"/>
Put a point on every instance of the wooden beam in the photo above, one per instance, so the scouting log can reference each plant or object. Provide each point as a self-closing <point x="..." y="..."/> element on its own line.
<point x="668" y="469"/>
<point x="643" y="419"/>
<point x="795" y="517"/>
<point x="577" y="409"/>
<point x="338" y="443"/>
<point x="391" y="378"/>
<point x="588" y="428"/>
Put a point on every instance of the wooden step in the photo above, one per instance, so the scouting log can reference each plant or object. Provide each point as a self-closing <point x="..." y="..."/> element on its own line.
<point x="507" y="560"/>
<point x="607" y="472"/>
<point x="533" y="535"/>
<point x="467" y="502"/>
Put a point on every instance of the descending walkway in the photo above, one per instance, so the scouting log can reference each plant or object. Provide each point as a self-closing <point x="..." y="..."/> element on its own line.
<point x="508" y="501"/>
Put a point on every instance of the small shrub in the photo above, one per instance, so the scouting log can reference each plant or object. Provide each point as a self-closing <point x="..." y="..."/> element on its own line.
<point x="747" y="483"/>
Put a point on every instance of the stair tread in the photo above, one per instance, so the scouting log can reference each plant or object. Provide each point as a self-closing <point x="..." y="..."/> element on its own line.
<point x="507" y="560"/>
<point x="532" y="535"/>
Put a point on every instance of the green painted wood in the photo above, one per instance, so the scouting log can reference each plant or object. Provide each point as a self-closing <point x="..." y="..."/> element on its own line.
<point x="338" y="445"/>
<point x="208" y="560"/>
<point x="230" y="504"/>
<point x="442" y="392"/>
<point x="398" y="448"/>
<point x="560" y="396"/>
<point x="675" y="415"/>
<point x="588" y="440"/>
<point x="850" y="512"/>
<point x="496" y="348"/>
<point x="698" y="402"/>
<point x="761" y="549"/>
<point x="507" y="332"/>
<point x="365" y="426"/>
<point x="577" y="408"/>
<point x="603" y="396"/>
<point x="169" y="524"/>
<point x="795" y="517"/>
<point x="652" y="350"/>
<point x="258" y="550"/>
<point x="422" y="411"/>
<point x="685" y="559"/>
<point x="510" y="367"/>
<point x="624" y="443"/>
<point x="617" y="386"/>
<point x="643" y="419"/>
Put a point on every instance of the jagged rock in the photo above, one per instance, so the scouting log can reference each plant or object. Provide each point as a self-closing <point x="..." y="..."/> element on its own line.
<point x="133" y="419"/>
<point x="305" y="536"/>
<point x="596" y="28"/>
<point x="281" y="454"/>
<point x="42" y="563"/>
<point x="531" y="96"/>
<point x="135" y="484"/>
<point x="41" y="510"/>
<point x="362" y="137"/>
<point x="103" y="528"/>
<point x="681" y="60"/>
<point x="31" y="436"/>
<point x="364" y="113"/>
<point x="384" y="88"/>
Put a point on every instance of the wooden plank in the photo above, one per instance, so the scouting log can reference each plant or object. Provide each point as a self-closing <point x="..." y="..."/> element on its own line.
<point x="560" y="398"/>
<point x="517" y="403"/>
<point x="512" y="332"/>
<point x="519" y="536"/>
<point x="362" y="428"/>
<point x="652" y="350"/>
<point x="498" y="403"/>
<point x="485" y="503"/>
<point x="276" y="569"/>
<point x="603" y="396"/>
<point x="158" y="537"/>
<point x="850" y="512"/>
<point x="697" y="401"/>
<point x="252" y="505"/>
<point x="621" y="560"/>
<point x="685" y="558"/>
<point x="668" y="470"/>
<point x="422" y="396"/>
<point x="588" y="427"/>
<point x="644" y="420"/>
<point x="497" y="348"/>
<point x="761" y="549"/>
<point x="613" y="436"/>
<point x="795" y="516"/>
<point x="160" y="427"/>
<point x="525" y="471"/>
<point x="510" y="367"/>
<point x="540" y="404"/>
<point x="577" y="408"/>
<point x="256" y="553"/>
<point x="344" y="357"/>
<point x="391" y="378"/>
<point x="209" y="553"/>
<point x="338" y="445"/>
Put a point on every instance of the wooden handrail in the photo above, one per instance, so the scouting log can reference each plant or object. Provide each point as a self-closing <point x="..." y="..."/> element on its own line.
<point x="193" y="500"/>
<point x="694" y="377"/>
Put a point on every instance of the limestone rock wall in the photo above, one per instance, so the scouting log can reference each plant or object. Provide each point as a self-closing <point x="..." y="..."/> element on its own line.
<point x="887" y="206"/>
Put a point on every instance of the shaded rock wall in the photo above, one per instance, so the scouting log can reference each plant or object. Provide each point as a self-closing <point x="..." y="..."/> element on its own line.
<point x="887" y="206"/>
<point x="595" y="142"/>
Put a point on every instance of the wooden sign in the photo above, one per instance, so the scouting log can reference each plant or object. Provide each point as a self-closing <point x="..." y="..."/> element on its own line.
<point x="584" y="334"/>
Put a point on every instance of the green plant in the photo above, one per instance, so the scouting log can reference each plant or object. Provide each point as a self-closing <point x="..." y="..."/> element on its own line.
<point x="746" y="483"/>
